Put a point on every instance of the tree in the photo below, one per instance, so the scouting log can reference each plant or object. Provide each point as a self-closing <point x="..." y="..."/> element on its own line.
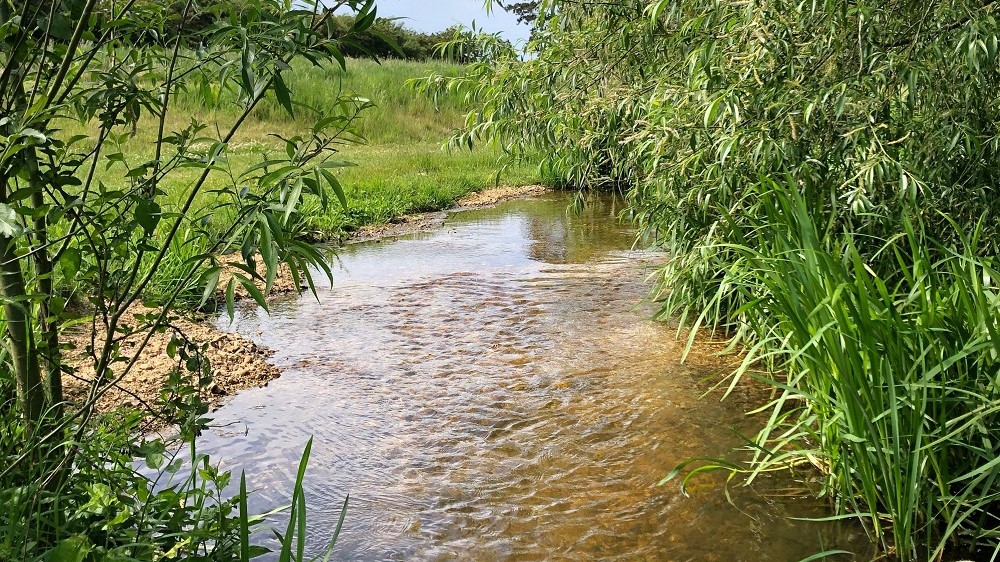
<point x="85" y="226"/>
<point x="388" y="39"/>
<point x="526" y="12"/>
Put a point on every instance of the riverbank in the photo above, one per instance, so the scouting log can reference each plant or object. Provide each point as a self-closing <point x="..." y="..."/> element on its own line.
<point x="421" y="222"/>
<point x="402" y="181"/>
<point x="237" y="362"/>
<point x="391" y="166"/>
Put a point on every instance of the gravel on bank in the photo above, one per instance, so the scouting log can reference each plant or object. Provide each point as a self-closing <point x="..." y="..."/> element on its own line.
<point x="426" y="222"/>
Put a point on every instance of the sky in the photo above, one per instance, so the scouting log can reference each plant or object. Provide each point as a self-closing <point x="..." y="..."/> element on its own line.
<point x="437" y="15"/>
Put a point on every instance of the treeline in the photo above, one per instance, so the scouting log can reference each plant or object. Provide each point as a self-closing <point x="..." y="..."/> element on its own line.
<point x="392" y="39"/>
<point x="824" y="176"/>
<point x="383" y="39"/>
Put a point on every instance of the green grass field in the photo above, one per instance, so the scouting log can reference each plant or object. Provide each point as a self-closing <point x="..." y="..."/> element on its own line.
<point x="401" y="167"/>
<point x="391" y="180"/>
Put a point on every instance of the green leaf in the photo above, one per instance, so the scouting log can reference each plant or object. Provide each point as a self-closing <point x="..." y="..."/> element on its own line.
<point x="255" y="293"/>
<point x="281" y="92"/>
<point x="335" y="185"/>
<point x="364" y="19"/>
<point x="276" y="176"/>
<point x="154" y="460"/>
<point x="71" y="549"/>
<point x="296" y="513"/>
<point x="211" y="281"/>
<point x="389" y="40"/>
<point x="244" y="520"/>
<point x="293" y="198"/>
<point x="231" y="298"/>
<point x="147" y="214"/>
<point x="712" y="112"/>
<point x="34" y="134"/>
<point x="340" y="525"/>
<point x="339" y="57"/>
<point x="249" y="79"/>
<point x="269" y="256"/>
<point x="9" y="225"/>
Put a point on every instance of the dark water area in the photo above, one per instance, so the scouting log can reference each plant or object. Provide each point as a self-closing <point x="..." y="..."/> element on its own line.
<point x="494" y="391"/>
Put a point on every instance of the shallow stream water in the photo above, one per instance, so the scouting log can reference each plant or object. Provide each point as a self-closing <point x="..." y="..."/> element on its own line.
<point x="492" y="391"/>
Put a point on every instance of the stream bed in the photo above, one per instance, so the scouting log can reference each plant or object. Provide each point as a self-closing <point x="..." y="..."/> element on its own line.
<point x="494" y="390"/>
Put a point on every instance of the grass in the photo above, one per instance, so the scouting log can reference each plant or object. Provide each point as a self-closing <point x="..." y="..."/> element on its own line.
<point x="402" y="116"/>
<point x="397" y="146"/>
<point x="391" y="181"/>
<point x="887" y="382"/>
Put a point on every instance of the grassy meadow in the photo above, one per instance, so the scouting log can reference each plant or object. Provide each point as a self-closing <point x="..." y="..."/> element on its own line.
<point x="398" y="161"/>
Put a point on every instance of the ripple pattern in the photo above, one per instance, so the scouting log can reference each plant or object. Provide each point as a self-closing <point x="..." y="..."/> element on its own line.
<point x="482" y="400"/>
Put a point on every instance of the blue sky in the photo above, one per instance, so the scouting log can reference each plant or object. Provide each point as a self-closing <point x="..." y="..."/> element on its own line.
<point x="436" y="15"/>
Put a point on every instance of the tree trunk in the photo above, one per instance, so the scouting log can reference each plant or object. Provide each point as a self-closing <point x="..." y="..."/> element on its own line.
<point x="23" y="351"/>
<point x="47" y="327"/>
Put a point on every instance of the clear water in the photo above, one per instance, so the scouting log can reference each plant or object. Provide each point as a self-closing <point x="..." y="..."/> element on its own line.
<point x="490" y="391"/>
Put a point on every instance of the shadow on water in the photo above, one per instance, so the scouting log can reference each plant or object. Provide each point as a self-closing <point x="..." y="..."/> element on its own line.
<point x="490" y="391"/>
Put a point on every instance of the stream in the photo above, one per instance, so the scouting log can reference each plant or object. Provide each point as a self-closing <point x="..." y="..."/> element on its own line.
<point x="494" y="390"/>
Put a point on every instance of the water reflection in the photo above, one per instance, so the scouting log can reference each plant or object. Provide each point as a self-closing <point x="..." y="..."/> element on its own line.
<point x="574" y="233"/>
<point x="489" y="392"/>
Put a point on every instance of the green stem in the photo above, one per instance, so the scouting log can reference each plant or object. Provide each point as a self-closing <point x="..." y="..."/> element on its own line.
<point x="23" y="352"/>
<point x="48" y="329"/>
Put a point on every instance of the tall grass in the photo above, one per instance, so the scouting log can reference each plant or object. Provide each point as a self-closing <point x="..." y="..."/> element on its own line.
<point x="400" y="115"/>
<point x="890" y="383"/>
<point x="176" y="506"/>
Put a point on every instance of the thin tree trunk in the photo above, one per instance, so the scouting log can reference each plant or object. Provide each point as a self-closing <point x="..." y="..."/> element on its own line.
<point x="48" y="329"/>
<point x="23" y="352"/>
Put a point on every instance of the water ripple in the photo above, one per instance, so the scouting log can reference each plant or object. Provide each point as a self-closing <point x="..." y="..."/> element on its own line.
<point x="488" y="392"/>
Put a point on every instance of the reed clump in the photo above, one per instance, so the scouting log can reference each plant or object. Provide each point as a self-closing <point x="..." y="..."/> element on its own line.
<point x="887" y="382"/>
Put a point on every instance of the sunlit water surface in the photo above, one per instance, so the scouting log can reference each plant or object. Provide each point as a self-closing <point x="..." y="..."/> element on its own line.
<point x="490" y="391"/>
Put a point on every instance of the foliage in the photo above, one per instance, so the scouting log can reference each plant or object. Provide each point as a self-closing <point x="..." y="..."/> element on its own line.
<point x="176" y="505"/>
<point x="388" y="39"/>
<point x="888" y="386"/>
<point x="401" y="167"/>
<point x="79" y="79"/>
<point x="526" y="12"/>
<point x="880" y="118"/>
<point x="382" y="39"/>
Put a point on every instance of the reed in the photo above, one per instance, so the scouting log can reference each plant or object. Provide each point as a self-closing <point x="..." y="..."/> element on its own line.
<point x="888" y="382"/>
